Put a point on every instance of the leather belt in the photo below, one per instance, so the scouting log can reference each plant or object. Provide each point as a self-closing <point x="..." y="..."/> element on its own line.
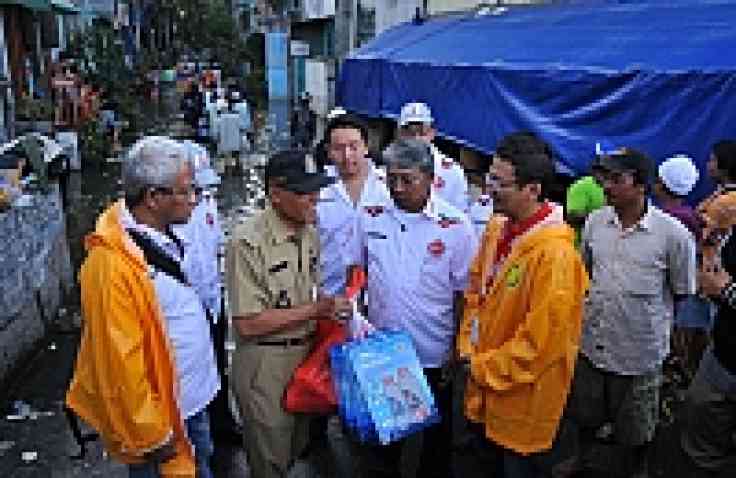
<point x="293" y="342"/>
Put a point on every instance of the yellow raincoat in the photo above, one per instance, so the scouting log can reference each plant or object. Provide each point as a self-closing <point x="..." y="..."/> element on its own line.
<point x="528" y="335"/>
<point x="125" y="383"/>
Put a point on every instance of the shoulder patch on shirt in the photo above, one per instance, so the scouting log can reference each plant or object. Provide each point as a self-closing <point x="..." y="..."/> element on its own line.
<point x="513" y="276"/>
<point x="210" y="219"/>
<point x="278" y="267"/>
<point x="439" y="183"/>
<point x="436" y="248"/>
<point x="374" y="211"/>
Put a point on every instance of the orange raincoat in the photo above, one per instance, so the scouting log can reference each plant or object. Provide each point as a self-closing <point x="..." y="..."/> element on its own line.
<point x="528" y="335"/>
<point x="125" y="382"/>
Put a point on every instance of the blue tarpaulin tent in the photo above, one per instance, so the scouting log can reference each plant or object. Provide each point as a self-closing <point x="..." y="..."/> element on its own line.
<point x="658" y="76"/>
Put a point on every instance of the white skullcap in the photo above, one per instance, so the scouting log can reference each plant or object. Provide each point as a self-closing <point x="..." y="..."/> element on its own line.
<point x="679" y="174"/>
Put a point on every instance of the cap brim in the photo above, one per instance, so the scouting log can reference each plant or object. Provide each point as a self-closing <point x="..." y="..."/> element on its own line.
<point x="206" y="177"/>
<point x="408" y="121"/>
<point x="309" y="184"/>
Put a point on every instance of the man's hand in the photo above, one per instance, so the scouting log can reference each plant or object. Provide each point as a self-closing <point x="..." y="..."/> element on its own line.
<point x="162" y="454"/>
<point x="712" y="279"/>
<point x="332" y="307"/>
<point x="343" y="307"/>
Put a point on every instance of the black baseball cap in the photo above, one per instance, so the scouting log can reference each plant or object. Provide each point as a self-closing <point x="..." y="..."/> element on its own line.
<point x="627" y="159"/>
<point x="296" y="171"/>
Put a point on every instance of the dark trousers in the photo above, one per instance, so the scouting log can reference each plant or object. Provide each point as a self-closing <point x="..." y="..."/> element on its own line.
<point x="223" y="426"/>
<point x="385" y="461"/>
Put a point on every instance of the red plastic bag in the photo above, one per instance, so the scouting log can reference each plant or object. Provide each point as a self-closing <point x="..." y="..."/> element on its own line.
<point x="311" y="389"/>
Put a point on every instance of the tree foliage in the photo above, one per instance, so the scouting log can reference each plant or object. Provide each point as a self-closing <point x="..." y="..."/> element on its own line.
<point x="209" y="27"/>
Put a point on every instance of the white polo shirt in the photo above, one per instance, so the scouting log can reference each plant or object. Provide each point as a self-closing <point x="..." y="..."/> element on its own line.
<point x="336" y="220"/>
<point x="202" y="237"/>
<point x="450" y="183"/>
<point x="186" y="327"/>
<point x="416" y="262"/>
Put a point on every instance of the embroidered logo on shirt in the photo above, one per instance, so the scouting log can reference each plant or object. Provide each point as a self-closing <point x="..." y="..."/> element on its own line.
<point x="513" y="276"/>
<point x="436" y="248"/>
<point x="374" y="211"/>
<point x="439" y="183"/>
<point x="210" y="219"/>
<point x="446" y="222"/>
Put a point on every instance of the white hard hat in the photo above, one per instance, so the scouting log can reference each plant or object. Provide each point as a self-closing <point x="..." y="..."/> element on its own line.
<point x="415" y="113"/>
<point x="679" y="174"/>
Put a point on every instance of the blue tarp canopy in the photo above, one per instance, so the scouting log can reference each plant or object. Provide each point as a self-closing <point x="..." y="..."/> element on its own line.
<point x="659" y="76"/>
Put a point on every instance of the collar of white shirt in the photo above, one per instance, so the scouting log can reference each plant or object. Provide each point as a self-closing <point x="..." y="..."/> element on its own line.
<point x="440" y="159"/>
<point x="372" y="182"/>
<point x="127" y="221"/>
<point x="431" y="209"/>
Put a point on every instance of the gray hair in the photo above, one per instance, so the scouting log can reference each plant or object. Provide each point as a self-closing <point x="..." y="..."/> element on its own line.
<point x="153" y="161"/>
<point x="410" y="153"/>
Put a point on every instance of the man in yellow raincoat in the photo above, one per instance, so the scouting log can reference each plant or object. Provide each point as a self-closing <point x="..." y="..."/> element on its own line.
<point x="522" y="320"/>
<point x="126" y="381"/>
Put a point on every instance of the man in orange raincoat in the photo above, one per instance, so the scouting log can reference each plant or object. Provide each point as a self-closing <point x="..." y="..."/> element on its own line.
<point x="133" y="382"/>
<point x="522" y="320"/>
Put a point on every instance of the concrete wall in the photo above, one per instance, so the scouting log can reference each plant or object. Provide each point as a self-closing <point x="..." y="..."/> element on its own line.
<point x="37" y="275"/>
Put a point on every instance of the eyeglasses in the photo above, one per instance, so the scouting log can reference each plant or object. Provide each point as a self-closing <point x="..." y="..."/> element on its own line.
<point x="191" y="191"/>
<point x="394" y="180"/>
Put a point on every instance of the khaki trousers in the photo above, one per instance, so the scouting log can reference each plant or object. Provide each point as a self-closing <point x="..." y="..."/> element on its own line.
<point x="273" y="438"/>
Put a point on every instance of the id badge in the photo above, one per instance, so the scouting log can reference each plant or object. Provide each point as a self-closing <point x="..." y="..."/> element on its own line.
<point x="474" y="333"/>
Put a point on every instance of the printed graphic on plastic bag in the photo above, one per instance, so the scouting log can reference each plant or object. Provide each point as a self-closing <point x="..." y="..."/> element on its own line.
<point x="382" y="390"/>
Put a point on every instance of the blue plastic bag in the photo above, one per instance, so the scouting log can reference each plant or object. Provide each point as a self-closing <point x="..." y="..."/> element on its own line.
<point x="382" y="391"/>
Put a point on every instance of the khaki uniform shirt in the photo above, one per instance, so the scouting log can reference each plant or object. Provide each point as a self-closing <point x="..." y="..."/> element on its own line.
<point x="271" y="267"/>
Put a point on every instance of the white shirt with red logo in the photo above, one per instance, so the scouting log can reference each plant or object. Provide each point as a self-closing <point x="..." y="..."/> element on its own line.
<point x="336" y="218"/>
<point x="450" y="183"/>
<point x="202" y="237"/>
<point x="416" y="262"/>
